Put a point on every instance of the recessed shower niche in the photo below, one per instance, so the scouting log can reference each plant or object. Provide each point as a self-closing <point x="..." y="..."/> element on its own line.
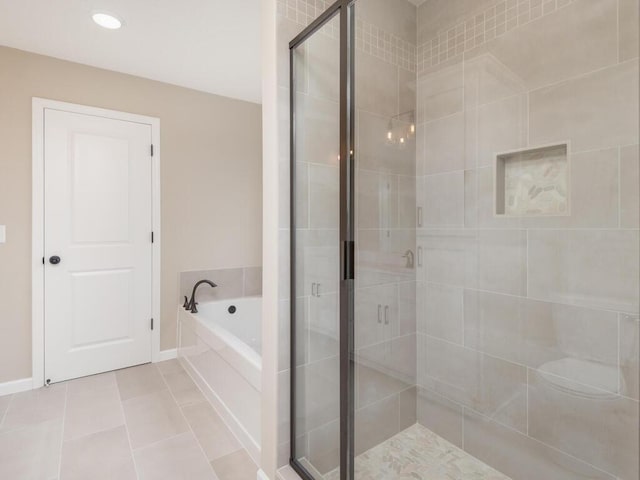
<point x="533" y="182"/>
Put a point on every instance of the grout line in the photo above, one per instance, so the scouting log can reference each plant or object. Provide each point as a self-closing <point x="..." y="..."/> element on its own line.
<point x="126" y="427"/>
<point x="64" y="421"/>
<point x="195" y="437"/>
<point x="619" y="187"/>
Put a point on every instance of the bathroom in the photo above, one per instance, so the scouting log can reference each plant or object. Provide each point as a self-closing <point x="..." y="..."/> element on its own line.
<point x="448" y="190"/>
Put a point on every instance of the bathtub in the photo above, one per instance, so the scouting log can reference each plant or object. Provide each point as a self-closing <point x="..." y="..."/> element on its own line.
<point x="220" y="347"/>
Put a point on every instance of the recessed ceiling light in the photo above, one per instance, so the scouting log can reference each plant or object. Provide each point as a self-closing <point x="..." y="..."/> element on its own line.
<point x="107" y="21"/>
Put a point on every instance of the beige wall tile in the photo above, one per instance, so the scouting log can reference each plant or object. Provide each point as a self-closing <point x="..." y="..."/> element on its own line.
<point x="324" y="196"/>
<point x="533" y="333"/>
<point x="397" y="17"/>
<point x="316" y="261"/>
<point x="318" y="394"/>
<point x="376" y="85"/>
<point x="594" y="111"/>
<point x="177" y="457"/>
<point x="377" y="200"/>
<point x="628" y="28"/>
<point x="440" y="93"/>
<point x="252" y="281"/>
<point x="375" y="423"/>
<point x="323" y="63"/>
<point x="406" y="201"/>
<point x="408" y="410"/>
<point x="450" y="256"/>
<point x="571" y="41"/>
<point x="440" y="415"/>
<point x="519" y="456"/>
<point x="444" y="145"/>
<point x="373" y="151"/>
<point x="407" y="93"/>
<point x="597" y="428"/>
<point x="324" y="335"/>
<point x="407" y="293"/>
<point x="629" y="187"/>
<point x="317" y="131"/>
<point x="502" y="261"/>
<point x="324" y="447"/>
<point x="369" y="314"/>
<point x="101" y="456"/>
<point x="629" y="355"/>
<point x="596" y="268"/>
<point x="502" y="127"/>
<point x="488" y="385"/>
<point x="443" y="312"/>
<point x="443" y="201"/>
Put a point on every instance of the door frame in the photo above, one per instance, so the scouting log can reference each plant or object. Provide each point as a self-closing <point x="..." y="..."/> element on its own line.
<point x="39" y="105"/>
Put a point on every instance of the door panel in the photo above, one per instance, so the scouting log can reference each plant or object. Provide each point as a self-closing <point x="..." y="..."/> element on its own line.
<point x="98" y="208"/>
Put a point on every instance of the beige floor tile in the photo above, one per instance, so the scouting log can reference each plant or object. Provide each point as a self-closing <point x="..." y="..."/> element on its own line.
<point x="35" y="406"/>
<point x="169" y="366"/>
<point x="104" y="455"/>
<point x="214" y="436"/>
<point x="236" y="466"/>
<point x="140" y="380"/>
<point x="183" y="388"/>
<point x="32" y="452"/>
<point x="91" y="410"/>
<point x="178" y="458"/>
<point x="4" y="404"/>
<point x="152" y="418"/>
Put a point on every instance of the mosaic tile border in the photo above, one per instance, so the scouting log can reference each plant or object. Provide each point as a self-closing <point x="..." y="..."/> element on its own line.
<point x="369" y="38"/>
<point x="483" y="27"/>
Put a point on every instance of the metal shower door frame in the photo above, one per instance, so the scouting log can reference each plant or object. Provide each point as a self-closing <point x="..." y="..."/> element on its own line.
<point x="343" y="9"/>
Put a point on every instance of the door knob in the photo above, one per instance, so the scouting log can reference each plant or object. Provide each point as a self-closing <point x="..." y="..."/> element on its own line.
<point x="54" y="260"/>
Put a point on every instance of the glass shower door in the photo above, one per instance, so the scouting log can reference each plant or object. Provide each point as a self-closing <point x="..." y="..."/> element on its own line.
<point x="315" y="240"/>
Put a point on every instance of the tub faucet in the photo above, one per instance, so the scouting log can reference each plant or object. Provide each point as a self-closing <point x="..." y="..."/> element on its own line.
<point x="191" y="304"/>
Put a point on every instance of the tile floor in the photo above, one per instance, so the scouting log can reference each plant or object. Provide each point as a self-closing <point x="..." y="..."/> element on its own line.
<point x="148" y="422"/>
<point x="419" y="454"/>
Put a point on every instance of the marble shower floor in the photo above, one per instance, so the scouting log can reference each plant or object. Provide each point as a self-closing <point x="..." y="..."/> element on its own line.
<point x="418" y="453"/>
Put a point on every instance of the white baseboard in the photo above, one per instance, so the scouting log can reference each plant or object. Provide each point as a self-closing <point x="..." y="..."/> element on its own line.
<point x="16" y="386"/>
<point x="261" y="475"/>
<point x="167" y="354"/>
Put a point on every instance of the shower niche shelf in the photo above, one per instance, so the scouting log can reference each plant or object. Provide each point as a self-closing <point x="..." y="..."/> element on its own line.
<point x="533" y="182"/>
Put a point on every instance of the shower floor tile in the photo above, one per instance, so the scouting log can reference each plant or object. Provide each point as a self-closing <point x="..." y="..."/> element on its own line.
<point x="420" y="454"/>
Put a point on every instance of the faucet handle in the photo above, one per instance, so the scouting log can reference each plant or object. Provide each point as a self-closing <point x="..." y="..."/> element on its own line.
<point x="193" y="307"/>
<point x="185" y="305"/>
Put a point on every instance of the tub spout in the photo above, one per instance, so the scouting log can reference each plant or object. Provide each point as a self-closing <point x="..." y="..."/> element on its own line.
<point x="192" y="303"/>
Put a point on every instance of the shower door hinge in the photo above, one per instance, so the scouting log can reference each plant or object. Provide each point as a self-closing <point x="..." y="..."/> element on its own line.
<point x="152" y="324"/>
<point x="152" y="149"/>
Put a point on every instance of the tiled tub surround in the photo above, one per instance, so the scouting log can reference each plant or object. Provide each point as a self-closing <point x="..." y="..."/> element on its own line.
<point x="232" y="283"/>
<point x="224" y="361"/>
<point x="528" y="324"/>
<point x="148" y="422"/>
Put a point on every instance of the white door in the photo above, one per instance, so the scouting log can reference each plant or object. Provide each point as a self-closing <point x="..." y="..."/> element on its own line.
<point x="97" y="222"/>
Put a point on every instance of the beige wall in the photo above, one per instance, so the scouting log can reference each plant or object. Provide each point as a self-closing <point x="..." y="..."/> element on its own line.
<point x="211" y="181"/>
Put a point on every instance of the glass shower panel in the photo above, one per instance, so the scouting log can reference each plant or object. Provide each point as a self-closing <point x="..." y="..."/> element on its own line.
<point x="315" y="242"/>
<point x="385" y="220"/>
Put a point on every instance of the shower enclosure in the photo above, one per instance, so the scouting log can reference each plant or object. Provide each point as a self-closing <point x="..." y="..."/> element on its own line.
<point x="465" y="253"/>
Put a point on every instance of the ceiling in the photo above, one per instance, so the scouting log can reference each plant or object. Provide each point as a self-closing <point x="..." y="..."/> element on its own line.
<point x="207" y="45"/>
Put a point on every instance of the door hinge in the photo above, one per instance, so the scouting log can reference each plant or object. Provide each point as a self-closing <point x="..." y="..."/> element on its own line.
<point x="151" y="237"/>
<point x="152" y="149"/>
<point x="152" y="324"/>
<point x="43" y="260"/>
<point x="348" y="260"/>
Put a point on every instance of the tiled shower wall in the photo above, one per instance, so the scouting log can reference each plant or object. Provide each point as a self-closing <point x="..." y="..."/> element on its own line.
<point x="528" y="326"/>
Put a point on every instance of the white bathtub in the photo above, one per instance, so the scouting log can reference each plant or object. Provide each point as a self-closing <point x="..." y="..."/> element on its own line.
<point x="221" y="351"/>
